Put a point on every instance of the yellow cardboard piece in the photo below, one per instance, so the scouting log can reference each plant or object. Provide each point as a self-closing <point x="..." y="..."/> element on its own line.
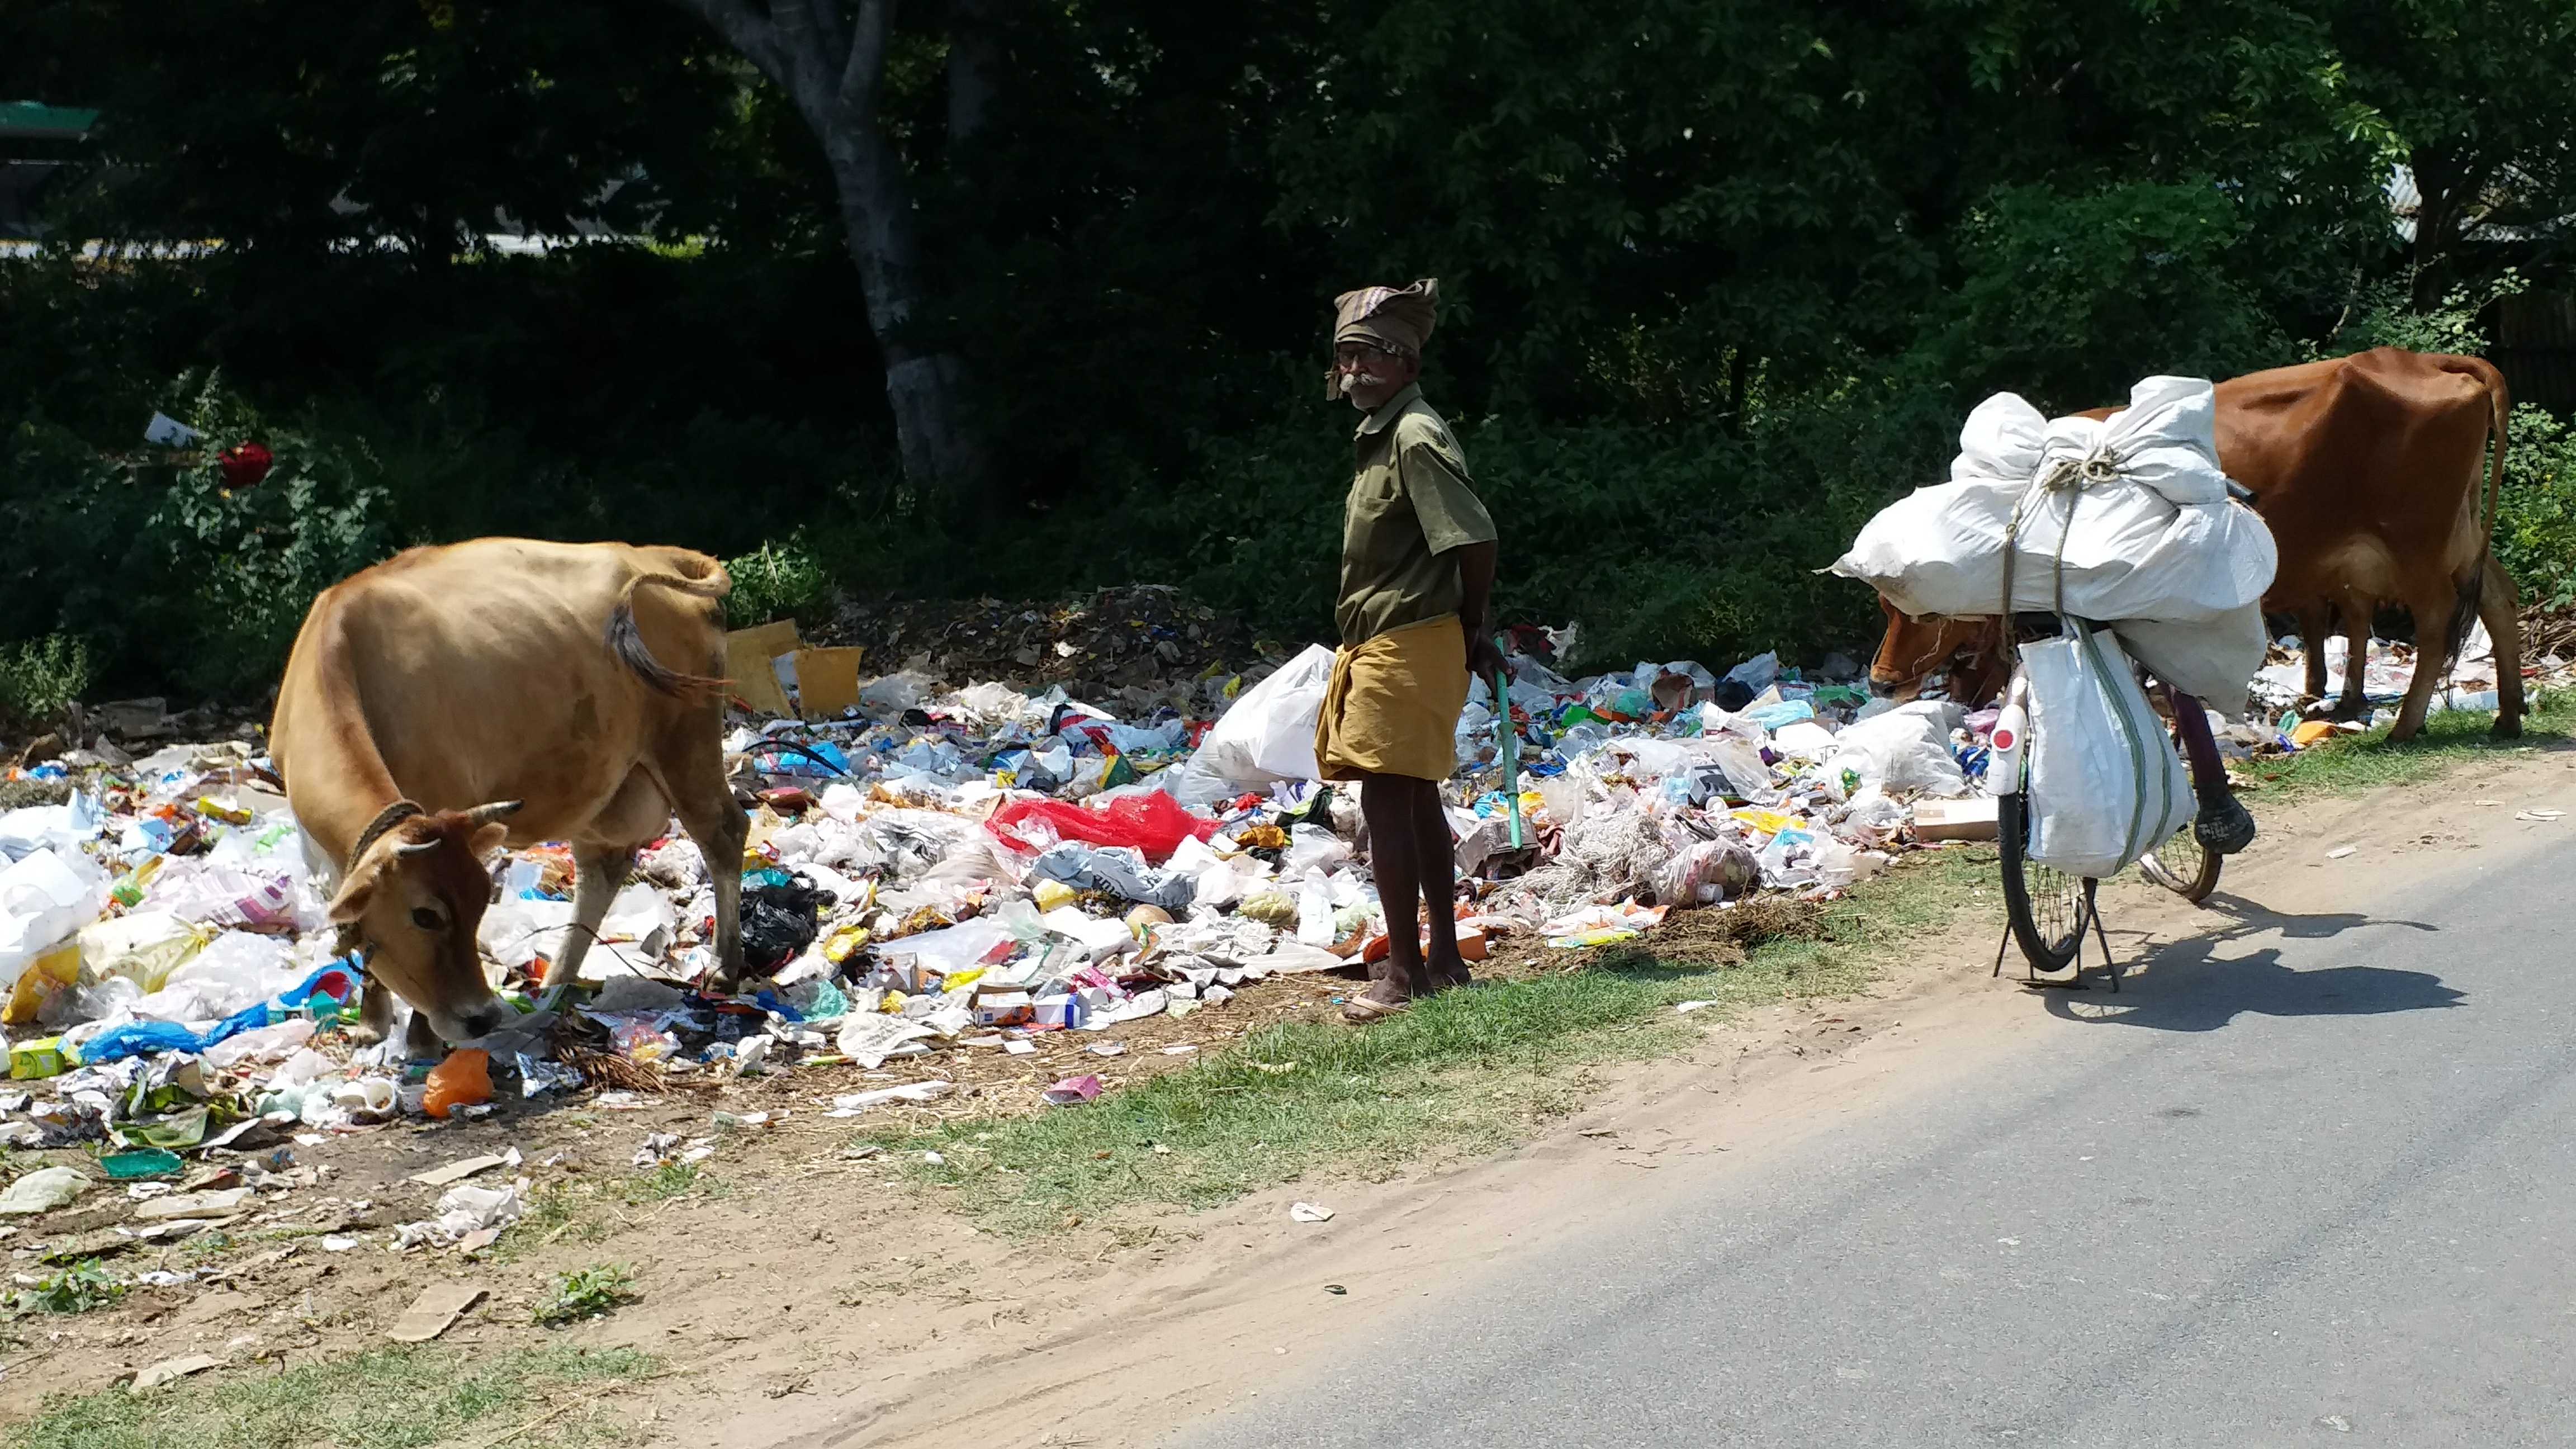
<point x="748" y="653"/>
<point x="827" y="681"/>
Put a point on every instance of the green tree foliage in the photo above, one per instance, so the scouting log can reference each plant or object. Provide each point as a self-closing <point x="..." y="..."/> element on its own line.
<point x="1723" y="275"/>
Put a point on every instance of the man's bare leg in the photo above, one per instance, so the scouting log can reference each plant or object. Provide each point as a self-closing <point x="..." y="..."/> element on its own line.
<point x="1388" y="801"/>
<point x="1439" y="875"/>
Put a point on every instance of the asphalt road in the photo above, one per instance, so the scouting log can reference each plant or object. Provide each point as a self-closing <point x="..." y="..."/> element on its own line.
<point x="2311" y="1186"/>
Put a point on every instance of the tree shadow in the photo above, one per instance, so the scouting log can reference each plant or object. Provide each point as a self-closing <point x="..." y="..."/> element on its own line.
<point x="2186" y="986"/>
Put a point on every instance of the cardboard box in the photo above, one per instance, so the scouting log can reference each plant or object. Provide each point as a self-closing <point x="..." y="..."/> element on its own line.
<point x="748" y="653"/>
<point x="1970" y="819"/>
<point x="827" y="681"/>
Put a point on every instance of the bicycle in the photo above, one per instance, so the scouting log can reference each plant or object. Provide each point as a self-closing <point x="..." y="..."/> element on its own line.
<point x="2047" y="910"/>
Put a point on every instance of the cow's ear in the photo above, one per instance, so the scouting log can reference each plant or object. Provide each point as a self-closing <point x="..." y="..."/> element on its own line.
<point x="488" y="839"/>
<point x="351" y="902"/>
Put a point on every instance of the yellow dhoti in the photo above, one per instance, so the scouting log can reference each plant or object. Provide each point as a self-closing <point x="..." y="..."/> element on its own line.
<point x="1392" y="707"/>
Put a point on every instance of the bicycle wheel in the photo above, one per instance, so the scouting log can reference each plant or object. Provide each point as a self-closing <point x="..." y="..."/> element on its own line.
<point x="2048" y="908"/>
<point x="2180" y="865"/>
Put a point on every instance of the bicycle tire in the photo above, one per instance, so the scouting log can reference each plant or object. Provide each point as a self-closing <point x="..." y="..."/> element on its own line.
<point x="2048" y="908"/>
<point x="2180" y="864"/>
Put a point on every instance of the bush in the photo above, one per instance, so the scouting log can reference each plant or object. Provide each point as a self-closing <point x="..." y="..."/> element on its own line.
<point x="1662" y="543"/>
<point x="777" y="581"/>
<point x="2535" y="536"/>
<point x="175" y="578"/>
<point x="41" y="676"/>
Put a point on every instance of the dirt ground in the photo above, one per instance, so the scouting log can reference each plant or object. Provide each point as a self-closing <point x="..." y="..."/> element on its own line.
<point x="805" y="1296"/>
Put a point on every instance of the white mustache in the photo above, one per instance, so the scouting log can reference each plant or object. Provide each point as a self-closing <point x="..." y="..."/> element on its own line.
<point x="1352" y="380"/>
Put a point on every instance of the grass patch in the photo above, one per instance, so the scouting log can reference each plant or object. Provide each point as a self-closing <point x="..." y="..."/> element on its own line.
<point x="2350" y="764"/>
<point x="394" y="1398"/>
<point x="1468" y="1071"/>
<point x="592" y="1292"/>
<point x="670" y="1180"/>
<point x="589" y="1213"/>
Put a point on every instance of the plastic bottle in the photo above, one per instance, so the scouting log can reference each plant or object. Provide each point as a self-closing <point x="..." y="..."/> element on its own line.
<point x="463" y="1080"/>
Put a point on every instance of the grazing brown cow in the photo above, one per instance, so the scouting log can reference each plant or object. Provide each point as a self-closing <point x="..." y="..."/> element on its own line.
<point x="2367" y="470"/>
<point x="450" y="700"/>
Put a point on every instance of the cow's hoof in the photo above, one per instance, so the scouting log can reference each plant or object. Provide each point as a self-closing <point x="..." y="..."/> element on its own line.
<point x="366" y="1036"/>
<point x="2508" y="729"/>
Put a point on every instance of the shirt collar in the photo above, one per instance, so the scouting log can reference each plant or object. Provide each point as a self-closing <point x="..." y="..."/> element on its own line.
<point x="1390" y="410"/>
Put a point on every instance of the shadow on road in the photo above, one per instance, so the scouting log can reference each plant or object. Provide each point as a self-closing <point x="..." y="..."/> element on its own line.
<point x="2187" y="986"/>
<point x="2244" y="918"/>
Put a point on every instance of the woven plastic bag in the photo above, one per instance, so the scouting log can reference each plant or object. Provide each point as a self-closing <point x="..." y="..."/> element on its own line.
<point x="2138" y="524"/>
<point x="2105" y="784"/>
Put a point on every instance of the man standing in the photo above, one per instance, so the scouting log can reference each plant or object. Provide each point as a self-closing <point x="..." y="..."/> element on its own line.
<point x="1417" y="571"/>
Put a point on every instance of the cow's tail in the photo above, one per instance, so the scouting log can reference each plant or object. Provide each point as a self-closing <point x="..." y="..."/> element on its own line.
<point x="627" y="642"/>
<point x="2464" y="613"/>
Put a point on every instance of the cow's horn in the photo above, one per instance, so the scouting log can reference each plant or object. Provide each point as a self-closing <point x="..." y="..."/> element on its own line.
<point x="482" y="815"/>
<point x="415" y="847"/>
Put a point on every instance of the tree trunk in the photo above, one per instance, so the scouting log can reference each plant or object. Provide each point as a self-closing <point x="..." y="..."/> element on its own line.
<point x="831" y="62"/>
<point x="975" y="66"/>
<point x="924" y="388"/>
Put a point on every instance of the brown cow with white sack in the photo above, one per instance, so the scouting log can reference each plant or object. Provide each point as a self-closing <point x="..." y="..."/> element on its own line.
<point x="2375" y="475"/>
<point x="450" y="701"/>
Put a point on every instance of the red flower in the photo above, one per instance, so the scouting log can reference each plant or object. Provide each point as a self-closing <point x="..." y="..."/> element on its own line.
<point x="244" y="464"/>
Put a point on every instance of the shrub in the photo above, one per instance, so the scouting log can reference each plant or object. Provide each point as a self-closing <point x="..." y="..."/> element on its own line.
<point x="40" y="676"/>
<point x="777" y="581"/>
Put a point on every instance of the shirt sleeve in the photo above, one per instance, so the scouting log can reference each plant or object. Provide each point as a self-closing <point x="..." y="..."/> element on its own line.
<point x="1434" y="473"/>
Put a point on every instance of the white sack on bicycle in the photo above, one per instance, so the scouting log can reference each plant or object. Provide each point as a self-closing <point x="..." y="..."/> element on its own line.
<point x="2105" y="784"/>
<point x="2156" y="538"/>
<point x="2212" y="661"/>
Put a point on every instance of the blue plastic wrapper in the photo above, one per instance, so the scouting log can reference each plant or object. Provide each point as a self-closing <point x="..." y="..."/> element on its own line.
<point x="145" y="1038"/>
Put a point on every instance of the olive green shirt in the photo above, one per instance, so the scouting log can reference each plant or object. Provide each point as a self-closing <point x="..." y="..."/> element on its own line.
<point x="1410" y="504"/>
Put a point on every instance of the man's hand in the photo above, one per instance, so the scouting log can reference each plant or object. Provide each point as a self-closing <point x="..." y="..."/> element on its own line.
<point x="1484" y="659"/>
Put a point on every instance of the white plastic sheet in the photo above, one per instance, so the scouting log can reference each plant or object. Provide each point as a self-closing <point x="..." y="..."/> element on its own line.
<point x="2105" y="783"/>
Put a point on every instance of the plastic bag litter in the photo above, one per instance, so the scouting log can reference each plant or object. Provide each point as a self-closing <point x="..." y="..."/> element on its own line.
<point x="45" y="897"/>
<point x="236" y="970"/>
<point x="2105" y="784"/>
<point x="1146" y="820"/>
<point x="1707" y="872"/>
<point x="62" y="827"/>
<point x="42" y="1191"/>
<point x="464" y="1210"/>
<point x="892" y="694"/>
<point x="1119" y="871"/>
<point x="779" y="920"/>
<point x="1268" y="735"/>
<point x="1907" y="748"/>
<point x="143" y="947"/>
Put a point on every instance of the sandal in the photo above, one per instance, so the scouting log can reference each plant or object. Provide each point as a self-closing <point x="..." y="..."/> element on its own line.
<point x="1361" y="1010"/>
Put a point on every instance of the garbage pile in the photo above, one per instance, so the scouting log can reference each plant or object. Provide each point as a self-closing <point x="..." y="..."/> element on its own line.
<point x="2279" y="689"/>
<point x="937" y="871"/>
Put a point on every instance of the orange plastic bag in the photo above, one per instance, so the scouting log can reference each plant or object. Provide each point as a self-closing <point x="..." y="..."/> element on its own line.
<point x="463" y="1080"/>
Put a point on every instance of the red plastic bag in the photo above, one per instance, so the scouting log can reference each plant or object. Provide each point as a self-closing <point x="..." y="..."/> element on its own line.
<point x="1154" y="823"/>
